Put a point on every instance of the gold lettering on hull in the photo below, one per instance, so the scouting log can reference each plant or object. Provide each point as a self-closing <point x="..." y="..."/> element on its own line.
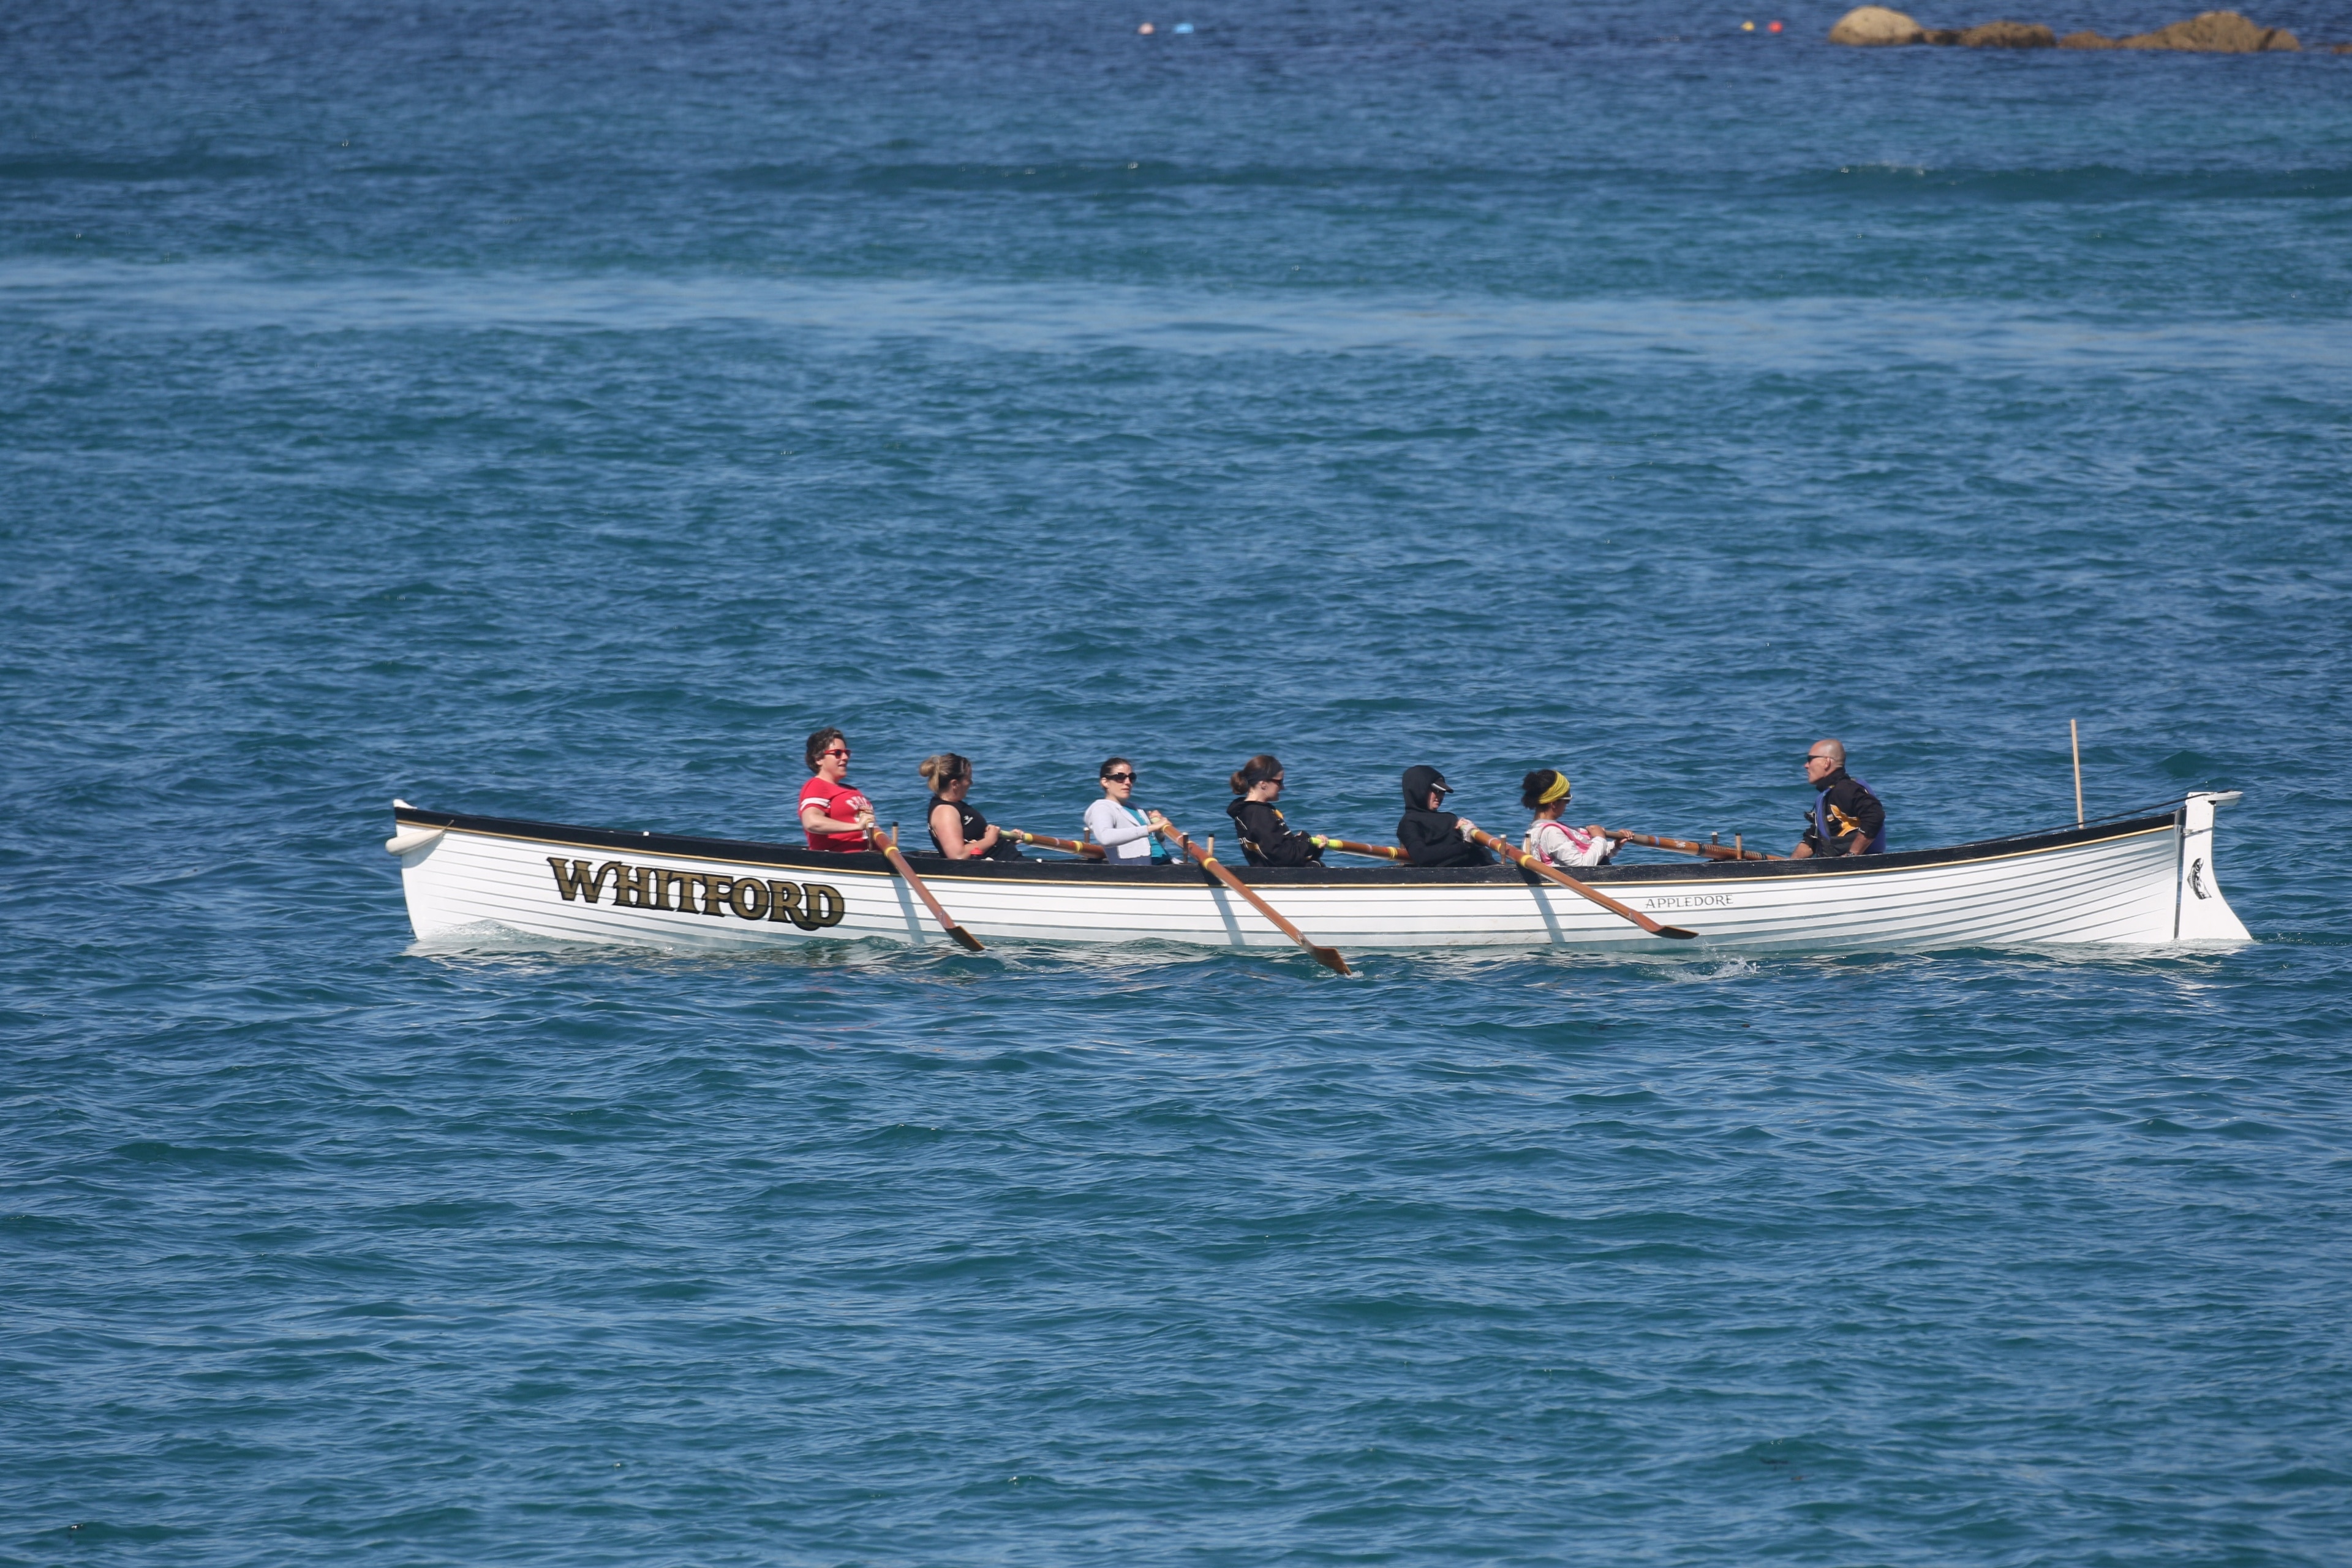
<point x="633" y="889"/>
<point x="577" y="883"/>
<point x="812" y="906"/>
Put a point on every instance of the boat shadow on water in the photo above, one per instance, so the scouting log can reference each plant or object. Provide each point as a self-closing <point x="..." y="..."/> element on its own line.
<point x="490" y="946"/>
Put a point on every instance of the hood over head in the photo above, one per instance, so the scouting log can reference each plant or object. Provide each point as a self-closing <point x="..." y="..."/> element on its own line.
<point x="1418" y="783"/>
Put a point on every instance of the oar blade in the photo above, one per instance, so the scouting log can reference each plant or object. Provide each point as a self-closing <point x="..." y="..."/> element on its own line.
<point x="971" y="943"/>
<point x="1678" y="933"/>
<point x="1328" y="957"/>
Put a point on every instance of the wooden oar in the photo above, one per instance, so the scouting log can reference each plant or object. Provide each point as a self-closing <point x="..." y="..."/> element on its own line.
<point x="1068" y="846"/>
<point x="1327" y="957"/>
<point x="1692" y="847"/>
<point x="1349" y="846"/>
<point x="881" y="841"/>
<point x="1520" y="857"/>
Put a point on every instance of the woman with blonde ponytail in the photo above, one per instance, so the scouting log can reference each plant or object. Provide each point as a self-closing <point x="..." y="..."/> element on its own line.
<point x="957" y="830"/>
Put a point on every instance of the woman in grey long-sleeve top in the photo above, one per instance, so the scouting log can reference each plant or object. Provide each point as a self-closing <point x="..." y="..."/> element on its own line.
<point x="1124" y="832"/>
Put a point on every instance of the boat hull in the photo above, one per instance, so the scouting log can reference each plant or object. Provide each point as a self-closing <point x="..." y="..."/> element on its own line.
<point x="2148" y="881"/>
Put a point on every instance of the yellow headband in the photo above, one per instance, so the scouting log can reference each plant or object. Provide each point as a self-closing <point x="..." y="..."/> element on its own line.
<point x="1558" y="790"/>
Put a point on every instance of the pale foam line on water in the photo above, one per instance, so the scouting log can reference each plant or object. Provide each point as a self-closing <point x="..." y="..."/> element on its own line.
<point x="1789" y="333"/>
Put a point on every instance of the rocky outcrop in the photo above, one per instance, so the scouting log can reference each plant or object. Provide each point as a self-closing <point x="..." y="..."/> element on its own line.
<point x="1868" y="26"/>
<point x="1993" y="35"/>
<point x="2212" y="33"/>
<point x="2009" y="36"/>
<point x="1877" y="24"/>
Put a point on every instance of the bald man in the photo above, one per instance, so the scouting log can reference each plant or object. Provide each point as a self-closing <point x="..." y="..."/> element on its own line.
<point x="1846" y="818"/>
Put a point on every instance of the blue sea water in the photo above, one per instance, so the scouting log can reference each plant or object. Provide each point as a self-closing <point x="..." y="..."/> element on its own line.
<point x="557" y="411"/>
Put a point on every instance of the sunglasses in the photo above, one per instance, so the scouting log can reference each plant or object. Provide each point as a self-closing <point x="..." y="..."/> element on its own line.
<point x="836" y="751"/>
<point x="1118" y="778"/>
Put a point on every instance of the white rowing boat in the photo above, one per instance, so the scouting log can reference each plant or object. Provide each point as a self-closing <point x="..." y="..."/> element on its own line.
<point x="2144" y="880"/>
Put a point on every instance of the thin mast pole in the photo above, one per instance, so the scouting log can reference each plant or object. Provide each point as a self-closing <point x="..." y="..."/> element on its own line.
<point x="2075" y="735"/>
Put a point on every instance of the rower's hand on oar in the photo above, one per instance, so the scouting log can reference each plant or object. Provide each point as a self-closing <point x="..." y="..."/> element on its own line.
<point x="1464" y="827"/>
<point x="1159" y="823"/>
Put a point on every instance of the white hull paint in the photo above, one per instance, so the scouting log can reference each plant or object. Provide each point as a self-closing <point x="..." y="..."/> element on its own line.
<point x="2145" y="883"/>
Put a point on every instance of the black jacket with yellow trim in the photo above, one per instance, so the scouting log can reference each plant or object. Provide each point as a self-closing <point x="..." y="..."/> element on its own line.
<point x="1849" y="808"/>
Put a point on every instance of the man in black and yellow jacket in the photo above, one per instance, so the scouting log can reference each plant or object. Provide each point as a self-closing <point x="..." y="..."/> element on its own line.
<point x="1846" y="818"/>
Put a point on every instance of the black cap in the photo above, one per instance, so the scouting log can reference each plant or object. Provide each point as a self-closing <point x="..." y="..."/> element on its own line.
<point x="1419" y="782"/>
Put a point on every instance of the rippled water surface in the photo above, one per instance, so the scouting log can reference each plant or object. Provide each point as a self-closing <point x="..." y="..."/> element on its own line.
<point x="559" y="411"/>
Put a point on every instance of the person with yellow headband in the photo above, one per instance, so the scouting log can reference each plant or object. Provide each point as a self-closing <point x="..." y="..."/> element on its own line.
<point x="1544" y="792"/>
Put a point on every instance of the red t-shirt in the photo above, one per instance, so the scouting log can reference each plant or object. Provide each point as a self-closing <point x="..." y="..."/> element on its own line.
<point x="842" y="802"/>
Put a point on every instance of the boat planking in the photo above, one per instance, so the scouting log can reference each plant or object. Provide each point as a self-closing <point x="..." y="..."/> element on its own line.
<point x="2146" y="880"/>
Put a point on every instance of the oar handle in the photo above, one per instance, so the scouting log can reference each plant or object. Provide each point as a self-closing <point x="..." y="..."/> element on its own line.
<point x="1689" y="846"/>
<point x="876" y="836"/>
<point x="1520" y="857"/>
<point x="1349" y="846"/>
<point x="1045" y="841"/>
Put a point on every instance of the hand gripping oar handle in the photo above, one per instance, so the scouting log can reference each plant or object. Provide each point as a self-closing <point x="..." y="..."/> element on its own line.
<point x="1690" y="846"/>
<point x="1327" y="957"/>
<point x="1068" y="846"/>
<point x="1349" y="846"/>
<point x="875" y="836"/>
<point x="1529" y="862"/>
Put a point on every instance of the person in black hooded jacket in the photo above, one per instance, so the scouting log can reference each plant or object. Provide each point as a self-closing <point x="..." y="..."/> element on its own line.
<point x="1267" y="839"/>
<point x="1430" y="835"/>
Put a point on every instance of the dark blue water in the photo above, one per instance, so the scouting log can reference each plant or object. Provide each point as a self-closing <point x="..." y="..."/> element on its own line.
<point x="559" y="411"/>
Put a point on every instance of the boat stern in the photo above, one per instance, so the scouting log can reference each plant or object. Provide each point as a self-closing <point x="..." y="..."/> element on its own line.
<point x="413" y="843"/>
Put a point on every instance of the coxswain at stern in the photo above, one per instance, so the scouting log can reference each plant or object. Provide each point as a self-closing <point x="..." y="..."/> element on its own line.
<point x="1846" y="818"/>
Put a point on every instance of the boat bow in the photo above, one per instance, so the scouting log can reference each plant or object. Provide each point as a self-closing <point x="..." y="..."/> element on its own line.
<point x="2200" y="912"/>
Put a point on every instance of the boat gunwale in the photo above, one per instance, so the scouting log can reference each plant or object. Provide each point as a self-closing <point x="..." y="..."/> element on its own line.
<point x="938" y="867"/>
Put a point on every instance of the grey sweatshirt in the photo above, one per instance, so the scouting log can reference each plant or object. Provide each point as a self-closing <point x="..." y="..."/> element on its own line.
<point x="1127" y="841"/>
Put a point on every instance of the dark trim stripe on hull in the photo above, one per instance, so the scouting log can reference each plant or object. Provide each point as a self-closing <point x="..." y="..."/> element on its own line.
<point x="939" y="868"/>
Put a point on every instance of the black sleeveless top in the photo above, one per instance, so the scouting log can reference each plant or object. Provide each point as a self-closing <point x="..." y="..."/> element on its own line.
<point x="974" y="826"/>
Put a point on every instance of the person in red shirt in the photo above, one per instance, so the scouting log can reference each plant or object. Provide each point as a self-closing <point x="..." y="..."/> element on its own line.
<point x="834" y="813"/>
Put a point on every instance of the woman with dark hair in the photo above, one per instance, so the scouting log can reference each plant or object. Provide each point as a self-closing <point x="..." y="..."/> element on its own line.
<point x="1267" y="839"/>
<point x="833" y="812"/>
<point x="957" y="830"/>
<point x="1552" y="840"/>
<point x="1113" y="821"/>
